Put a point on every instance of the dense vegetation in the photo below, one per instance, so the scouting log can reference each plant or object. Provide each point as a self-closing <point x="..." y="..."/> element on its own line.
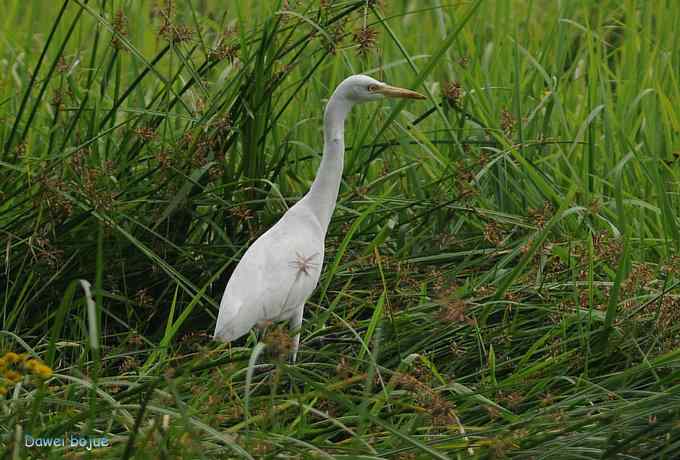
<point x="502" y="269"/>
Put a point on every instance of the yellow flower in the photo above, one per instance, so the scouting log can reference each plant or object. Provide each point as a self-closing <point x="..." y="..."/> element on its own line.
<point x="13" y="376"/>
<point x="31" y="364"/>
<point x="3" y="391"/>
<point x="43" y="371"/>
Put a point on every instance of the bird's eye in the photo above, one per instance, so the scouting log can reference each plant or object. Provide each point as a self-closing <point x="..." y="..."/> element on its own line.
<point x="372" y="88"/>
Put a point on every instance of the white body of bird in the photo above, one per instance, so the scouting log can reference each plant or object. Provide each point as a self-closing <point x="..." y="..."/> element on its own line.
<point x="281" y="269"/>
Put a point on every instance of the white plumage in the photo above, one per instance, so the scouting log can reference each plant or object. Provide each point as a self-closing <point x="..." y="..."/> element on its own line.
<point x="274" y="277"/>
<point x="281" y="269"/>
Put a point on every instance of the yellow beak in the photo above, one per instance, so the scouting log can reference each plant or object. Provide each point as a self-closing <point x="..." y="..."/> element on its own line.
<point x="393" y="91"/>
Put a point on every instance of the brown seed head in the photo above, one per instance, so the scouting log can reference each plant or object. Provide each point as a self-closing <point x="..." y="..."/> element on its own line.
<point x="62" y="66"/>
<point x="453" y="93"/>
<point x="493" y="233"/>
<point x="453" y="311"/>
<point x="20" y="149"/>
<point x="366" y="39"/>
<point x="607" y="248"/>
<point x="169" y="30"/>
<point x="120" y="28"/>
<point x="540" y="216"/>
<point x="407" y="382"/>
<point x="224" y="51"/>
<point x="279" y="343"/>
<point x="176" y="33"/>
<point x="507" y="122"/>
<point x="146" y="133"/>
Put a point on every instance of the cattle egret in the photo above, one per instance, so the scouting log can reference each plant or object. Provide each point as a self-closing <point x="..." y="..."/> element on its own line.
<point x="281" y="269"/>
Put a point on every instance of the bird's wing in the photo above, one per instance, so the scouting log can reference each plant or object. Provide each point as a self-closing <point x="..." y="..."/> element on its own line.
<point x="274" y="277"/>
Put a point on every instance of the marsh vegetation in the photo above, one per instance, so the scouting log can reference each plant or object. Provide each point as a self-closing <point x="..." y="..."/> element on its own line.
<point x="502" y="270"/>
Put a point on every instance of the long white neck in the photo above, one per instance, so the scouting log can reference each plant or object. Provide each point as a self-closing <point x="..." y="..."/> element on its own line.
<point x="323" y="195"/>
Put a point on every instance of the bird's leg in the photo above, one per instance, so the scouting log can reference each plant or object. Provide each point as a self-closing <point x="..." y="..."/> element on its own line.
<point x="294" y="325"/>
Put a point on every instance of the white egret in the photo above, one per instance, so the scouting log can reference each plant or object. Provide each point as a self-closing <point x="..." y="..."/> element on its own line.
<point x="281" y="269"/>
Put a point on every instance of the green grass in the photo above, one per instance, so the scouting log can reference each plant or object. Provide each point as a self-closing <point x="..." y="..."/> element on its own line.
<point x="502" y="268"/>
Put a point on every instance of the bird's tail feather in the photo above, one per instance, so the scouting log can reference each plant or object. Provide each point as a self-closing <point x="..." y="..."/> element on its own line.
<point x="229" y="332"/>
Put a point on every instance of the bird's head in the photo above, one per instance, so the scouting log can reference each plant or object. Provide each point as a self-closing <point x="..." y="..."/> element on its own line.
<point x="362" y="88"/>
